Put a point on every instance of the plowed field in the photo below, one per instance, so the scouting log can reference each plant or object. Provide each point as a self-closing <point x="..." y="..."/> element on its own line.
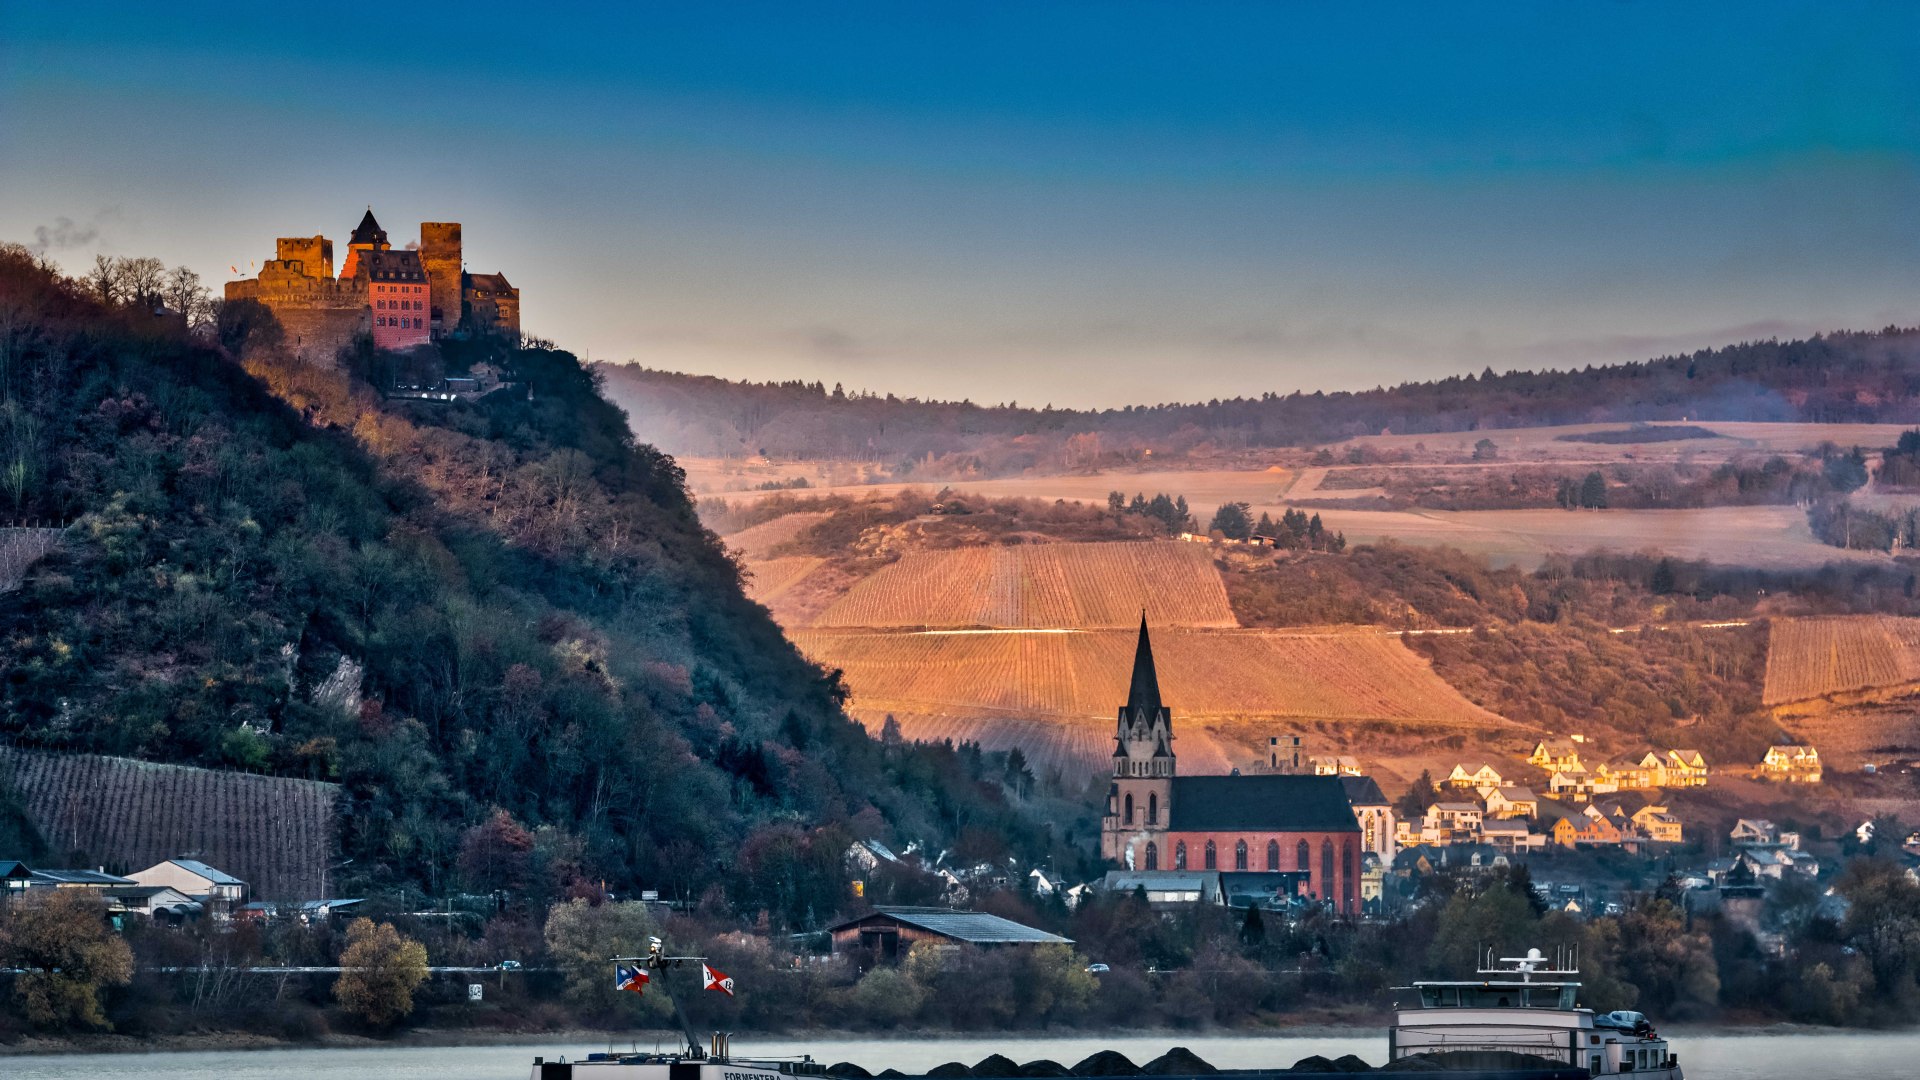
<point x="1812" y="658"/>
<point x="1040" y="586"/>
<point x="1049" y="692"/>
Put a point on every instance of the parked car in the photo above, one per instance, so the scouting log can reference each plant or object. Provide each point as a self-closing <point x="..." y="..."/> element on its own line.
<point x="509" y="965"/>
<point x="1098" y="969"/>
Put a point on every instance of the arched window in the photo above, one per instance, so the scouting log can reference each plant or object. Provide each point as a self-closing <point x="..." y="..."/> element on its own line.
<point x="1153" y="808"/>
<point x="1326" y="870"/>
<point x="1273" y="854"/>
<point x="1346" y="873"/>
<point x="1240" y="855"/>
<point x="1303" y="858"/>
<point x="1153" y="856"/>
<point x="1213" y="861"/>
<point x="1180" y="855"/>
<point x="1129" y="817"/>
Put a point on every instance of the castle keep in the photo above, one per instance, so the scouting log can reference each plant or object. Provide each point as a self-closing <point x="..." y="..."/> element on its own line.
<point x="403" y="298"/>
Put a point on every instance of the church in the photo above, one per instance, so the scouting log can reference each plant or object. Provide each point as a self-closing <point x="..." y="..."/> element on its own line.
<point x="1303" y="826"/>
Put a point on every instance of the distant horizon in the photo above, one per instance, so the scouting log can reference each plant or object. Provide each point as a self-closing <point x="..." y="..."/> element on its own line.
<point x="1104" y="204"/>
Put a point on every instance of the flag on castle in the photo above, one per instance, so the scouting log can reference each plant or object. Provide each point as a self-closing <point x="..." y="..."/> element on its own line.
<point x="630" y="978"/>
<point x="716" y="980"/>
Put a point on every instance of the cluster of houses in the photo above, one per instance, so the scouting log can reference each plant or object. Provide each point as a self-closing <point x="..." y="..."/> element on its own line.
<point x="172" y="892"/>
<point x="1571" y="778"/>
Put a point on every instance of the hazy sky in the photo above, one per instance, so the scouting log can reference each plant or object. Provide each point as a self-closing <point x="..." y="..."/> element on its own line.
<point x="1085" y="204"/>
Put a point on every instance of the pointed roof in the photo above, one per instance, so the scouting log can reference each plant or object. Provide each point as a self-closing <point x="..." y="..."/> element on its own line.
<point x="368" y="231"/>
<point x="1144" y="693"/>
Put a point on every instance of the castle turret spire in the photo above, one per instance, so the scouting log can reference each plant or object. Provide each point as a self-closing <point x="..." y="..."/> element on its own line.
<point x="1143" y="697"/>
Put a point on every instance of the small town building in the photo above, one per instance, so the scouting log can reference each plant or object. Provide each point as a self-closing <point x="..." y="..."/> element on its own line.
<point x="158" y="902"/>
<point x="1557" y="755"/>
<point x="1686" y="768"/>
<point x="196" y="879"/>
<point x="15" y="877"/>
<point x="1342" y="765"/>
<point x="1167" y="888"/>
<point x="96" y="879"/>
<point x="890" y="931"/>
<point x="1374" y="813"/>
<point x="1482" y="777"/>
<point x="1791" y="764"/>
<point x="1511" y="802"/>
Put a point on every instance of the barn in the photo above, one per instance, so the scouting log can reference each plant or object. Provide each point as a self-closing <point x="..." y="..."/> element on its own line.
<point x="890" y="931"/>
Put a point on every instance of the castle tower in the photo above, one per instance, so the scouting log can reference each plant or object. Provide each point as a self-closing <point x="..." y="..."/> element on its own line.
<point x="367" y="236"/>
<point x="440" y="254"/>
<point x="1140" y="799"/>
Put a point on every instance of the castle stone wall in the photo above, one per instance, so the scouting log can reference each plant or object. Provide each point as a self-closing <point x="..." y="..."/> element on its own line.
<point x="441" y="256"/>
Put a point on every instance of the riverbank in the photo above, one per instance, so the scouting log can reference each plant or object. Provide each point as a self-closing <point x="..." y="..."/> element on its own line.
<point x="1321" y="1024"/>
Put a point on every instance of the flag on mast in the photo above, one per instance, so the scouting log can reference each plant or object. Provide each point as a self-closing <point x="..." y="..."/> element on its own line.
<point x="716" y="980"/>
<point x="630" y="978"/>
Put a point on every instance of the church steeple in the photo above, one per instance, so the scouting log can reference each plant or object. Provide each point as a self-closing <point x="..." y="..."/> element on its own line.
<point x="1143" y="696"/>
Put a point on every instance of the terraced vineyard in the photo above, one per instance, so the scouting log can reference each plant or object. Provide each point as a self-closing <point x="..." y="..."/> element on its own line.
<point x="1042" y="689"/>
<point x="1090" y="585"/>
<point x="771" y="578"/>
<point x="1813" y="658"/>
<point x="274" y="833"/>
<point x="759" y="540"/>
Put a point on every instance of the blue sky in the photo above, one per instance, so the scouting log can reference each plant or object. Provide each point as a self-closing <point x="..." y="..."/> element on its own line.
<point x="1084" y="204"/>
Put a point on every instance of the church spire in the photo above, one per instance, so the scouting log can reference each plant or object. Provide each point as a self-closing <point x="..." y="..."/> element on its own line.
<point x="1143" y="697"/>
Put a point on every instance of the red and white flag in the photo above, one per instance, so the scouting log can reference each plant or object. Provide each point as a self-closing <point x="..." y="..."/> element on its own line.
<point x="716" y="980"/>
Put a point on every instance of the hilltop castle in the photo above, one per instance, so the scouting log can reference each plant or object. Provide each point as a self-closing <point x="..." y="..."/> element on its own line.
<point x="403" y="298"/>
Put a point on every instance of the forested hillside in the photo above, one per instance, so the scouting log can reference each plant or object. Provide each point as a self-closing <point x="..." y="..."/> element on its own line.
<point x="449" y="609"/>
<point x="1839" y="377"/>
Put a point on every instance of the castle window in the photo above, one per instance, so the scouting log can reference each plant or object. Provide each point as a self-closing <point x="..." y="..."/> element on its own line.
<point x="1273" y="854"/>
<point x="1240" y="855"/>
<point x="1303" y="858"/>
<point x="1180" y="855"/>
<point x="1153" y="808"/>
<point x="1212" y="859"/>
<point x="1129" y="813"/>
<point x="1153" y="856"/>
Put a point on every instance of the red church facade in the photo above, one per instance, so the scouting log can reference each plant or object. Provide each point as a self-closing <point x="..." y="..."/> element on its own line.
<point x="1301" y="826"/>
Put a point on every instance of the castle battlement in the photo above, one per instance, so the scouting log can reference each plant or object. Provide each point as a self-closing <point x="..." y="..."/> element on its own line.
<point x="403" y="298"/>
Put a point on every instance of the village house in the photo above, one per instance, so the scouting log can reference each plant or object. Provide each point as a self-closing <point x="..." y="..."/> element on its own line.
<point x="1686" y="768"/>
<point x="1558" y="755"/>
<point x="1336" y="766"/>
<point x="1510" y="835"/>
<point x="1578" y="785"/>
<point x="1791" y="764"/>
<point x="1483" y="777"/>
<point x="1451" y="822"/>
<point x="1657" y="824"/>
<point x="1511" y="802"/>
<point x="196" y="879"/>
<point x="889" y="932"/>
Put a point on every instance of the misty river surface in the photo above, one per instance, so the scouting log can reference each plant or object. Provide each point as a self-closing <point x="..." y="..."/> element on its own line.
<point x="1719" y="1056"/>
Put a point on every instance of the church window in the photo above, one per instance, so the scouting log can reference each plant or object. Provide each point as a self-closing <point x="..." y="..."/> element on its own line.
<point x="1303" y="858"/>
<point x="1153" y="856"/>
<point x="1213" y="862"/>
<point x="1346" y="870"/>
<point x="1240" y="855"/>
<point x="1129" y="814"/>
<point x="1326" y="869"/>
<point x="1180" y="855"/>
<point x="1273" y="854"/>
<point x="1153" y="808"/>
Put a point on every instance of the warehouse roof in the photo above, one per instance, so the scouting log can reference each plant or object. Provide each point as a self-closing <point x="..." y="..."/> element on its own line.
<point x="972" y="927"/>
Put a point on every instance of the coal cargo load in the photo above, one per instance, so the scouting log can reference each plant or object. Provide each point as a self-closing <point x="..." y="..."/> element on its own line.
<point x="1181" y="1063"/>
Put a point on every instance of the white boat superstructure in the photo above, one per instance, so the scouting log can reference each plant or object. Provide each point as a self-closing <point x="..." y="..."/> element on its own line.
<point x="1528" y="1005"/>
<point x="692" y="1064"/>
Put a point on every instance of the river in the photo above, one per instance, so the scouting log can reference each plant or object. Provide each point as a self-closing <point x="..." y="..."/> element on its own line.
<point x="1850" y="1056"/>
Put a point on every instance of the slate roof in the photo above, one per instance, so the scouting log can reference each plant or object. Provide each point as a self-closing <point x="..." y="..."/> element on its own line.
<point x="488" y="283"/>
<point x="1260" y="804"/>
<point x="394" y="266"/>
<point x="15" y="869"/>
<point x="368" y="231"/>
<point x="1143" y="694"/>
<point x="1362" y="791"/>
<point x="972" y="927"/>
<point x="78" y="877"/>
<point x="195" y="866"/>
<point x="1204" y="882"/>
